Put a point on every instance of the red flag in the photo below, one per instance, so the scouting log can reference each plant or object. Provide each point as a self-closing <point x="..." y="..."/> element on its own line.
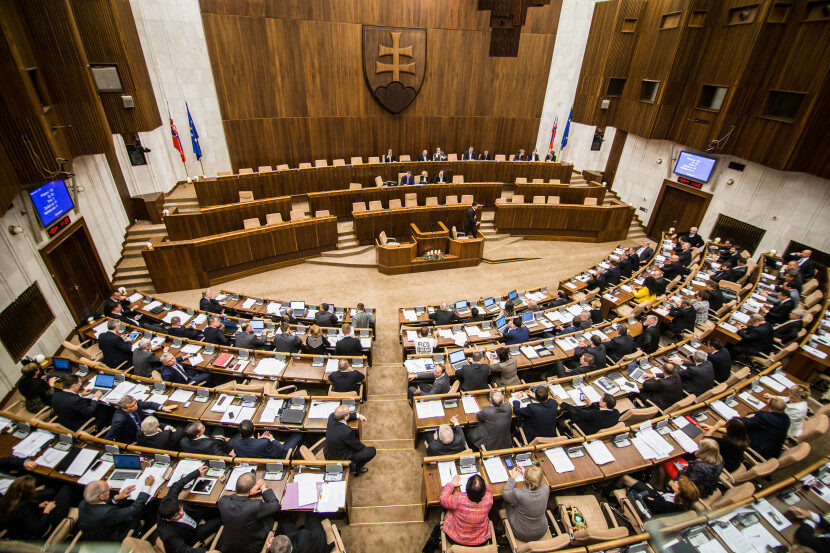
<point x="553" y="133"/>
<point x="176" y="142"/>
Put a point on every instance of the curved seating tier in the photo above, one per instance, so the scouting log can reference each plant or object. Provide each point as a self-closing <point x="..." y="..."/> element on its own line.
<point x="591" y="223"/>
<point x="225" y="218"/>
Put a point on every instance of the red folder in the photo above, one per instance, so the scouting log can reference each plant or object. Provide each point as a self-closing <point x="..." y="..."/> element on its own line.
<point x="222" y="360"/>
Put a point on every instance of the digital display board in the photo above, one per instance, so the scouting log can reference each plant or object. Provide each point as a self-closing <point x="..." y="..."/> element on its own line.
<point x="694" y="166"/>
<point x="51" y="201"/>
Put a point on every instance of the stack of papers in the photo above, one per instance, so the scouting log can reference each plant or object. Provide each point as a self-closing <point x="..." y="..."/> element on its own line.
<point x="724" y="410"/>
<point x="418" y="365"/>
<point x="94" y="474"/>
<point x="529" y="352"/>
<point x="751" y="400"/>
<point x="684" y="441"/>
<point x="248" y="303"/>
<point x="135" y="297"/>
<point x="409" y="315"/>
<point x="592" y="395"/>
<point x="235" y="415"/>
<point x="429" y="409"/>
<point x="51" y="457"/>
<point x="470" y="405"/>
<point x="770" y="382"/>
<point x="814" y="352"/>
<point x="599" y="452"/>
<point x="411" y="335"/>
<point x="237" y="471"/>
<point x="183" y="468"/>
<point x="221" y="405"/>
<point x="322" y="409"/>
<point x="156" y="472"/>
<point x="152" y="305"/>
<point x="181" y="396"/>
<point x="495" y="470"/>
<point x="560" y="460"/>
<point x="191" y="348"/>
<point x="332" y="497"/>
<point x="558" y="391"/>
<point x="32" y="443"/>
<point x="273" y="308"/>
<point x="270" y="366"/>
<point x="271" y="410"/>
<point x="651" y="445"/>
<point x="331" y="365"/>
<point x="82" y="461"/>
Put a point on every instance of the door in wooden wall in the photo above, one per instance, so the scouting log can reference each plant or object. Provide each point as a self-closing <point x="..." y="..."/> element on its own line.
<point x="679" y="206"/>
<point x="77" y="270"/>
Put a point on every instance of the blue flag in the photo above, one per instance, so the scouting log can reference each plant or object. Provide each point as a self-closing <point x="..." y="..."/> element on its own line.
<point x="567" y="128"/>
<point x="194" y="136"/>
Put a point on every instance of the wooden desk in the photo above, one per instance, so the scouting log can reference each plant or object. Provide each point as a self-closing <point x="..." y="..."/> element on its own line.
<point x="602" y="223"/>
<point x="225" y="218"/>
<point x="395" y="259"/>
<point x="426" y="240"/>
<point x="567" y="194"/>
<point x="396" y="222"/>
<point x="585" y="469"/>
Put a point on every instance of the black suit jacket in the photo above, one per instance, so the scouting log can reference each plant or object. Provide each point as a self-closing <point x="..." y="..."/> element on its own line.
<point x="660" y="285"/>
<point x="767" y="432"/>
<point x="754" y="339"/>
<point x="698" y="378"/>
<point x="210" y="305"/>
<point x="540" y="418"/>
<point x="695" y="241"/>
<point x="644" y="255"/>
<point x="663" y="392"/>
<point x="788" y="331"/>
<point x="123" y="428"/>
<point x="214" y="335"/>
<point x="110" y="521"/>
<point x="533" y="157"/>
<point x="166" y="439"/>
<point x="473" y="377"/>
<point x="485" y="157"/>
<point x="468" y="156"/>
<point x="457" y="445"/>
<point x="780" y="312"/>
<point x="732" y="275"/>
<point x="619" y="346"/>
<point x="649" y="340"/>
<point x="72" y="410"/>
<point x="247" y="521"/>
<point x="341" y="440"/>
<point x="671" y="270"/>
<point x="248" y="340"/>
<point x="205" y="445"/>
<point x="325" y="318"/>
<point x="591" y="419"/>
<point x="612" y="276"/>
<point x="115" y="349"/>
<point x="808" y="536"/>
<point x="287" y="343"/>
<point x="599" y="353"/>
<point x="176" y="536"/>
<point x="346" y="381"/>
<point x="562" y="372"/>
<point x="182" y="332"/>
<point x="806" y="269"/>
<point x="388" y="158"/>
<point x="715" y="299"/>
<point x="683" y="318"/>
<point x="407" y="180"/>
<point x="520" y="157"/>
<point x="422" y="157"/>
<point x="721" y="361"/>
<point x="348" y="345"/>
<point x="443" y="317"/>
<point x="685" y="257"/>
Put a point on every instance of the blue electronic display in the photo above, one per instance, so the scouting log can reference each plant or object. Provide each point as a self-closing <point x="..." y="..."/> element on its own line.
<point x="51" y="200"/>
<point x="694" y="166"/>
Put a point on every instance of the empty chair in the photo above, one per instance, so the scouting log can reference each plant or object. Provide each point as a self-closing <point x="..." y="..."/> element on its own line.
<point x="815" y="426"/>
<point x="794" y="455"/>
<point x="712" y="392"/>
<point x="432" y="200"/>
<point x="251" y="223"/>
<point x="224" y="174"/>
<point x="374" y="159"/>
<point x="355" y="186"/>
<point x="322" y="213"/>
<point x="246" y="196"/>
<point x="305" y="165"/>
<point x="757" y="471"/>
<point x="538" y="199"/>
<point x="384" y="240"/>
<point x="356" y="160"/>
<point x="411" y="196"/>
<point x="512" y="157"/>
<point x="521" y="180"/>
<point x="451" y="200"/>
<point x="590" y="201"/>
<point x="283" y="167"/>
<point x="264" y="169"/>
<point x="452" y="157"/>
<point x="518" y="199"/>
<point x="417" y="179"/>
<point x="405" y="157"/>
<point x="458" y="179"/>
<point x="358" y="206"/>
<point x="298" y="215"/>
<point x="246" y="171"/>
<point x="553" y="199"/>
<point x="682" y="404"/>
<point x="466" y="199"/>
<point x="273" y="218"/>
<point x="499" y="157"/>
<point x="410" y="202"/>
<point x="454" y="233"/>
<point x="395" y="203"/>
<point x="733" y="495"/>
<point x="636" y="416"/>
<point x="538" y="181"/>
<point x="375" y="205"/>
<point x="378" y="181"/>
<point x="599" y="520"/>
<point x="339" y="162"/>
<point x="554" y="181"/>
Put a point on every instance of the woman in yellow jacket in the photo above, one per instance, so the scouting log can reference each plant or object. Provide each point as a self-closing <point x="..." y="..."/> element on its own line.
<point x="644" y="293"/>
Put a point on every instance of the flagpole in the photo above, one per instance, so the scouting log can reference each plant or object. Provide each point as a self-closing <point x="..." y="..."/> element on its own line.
<point x="202" y="166"/>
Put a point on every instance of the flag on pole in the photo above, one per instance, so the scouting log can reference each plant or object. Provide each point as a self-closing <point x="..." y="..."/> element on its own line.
<point x="194" y="136"/>
<point x="176" y="142"/>
<point x="553" y="132"/>
<point x="567" y="128"/>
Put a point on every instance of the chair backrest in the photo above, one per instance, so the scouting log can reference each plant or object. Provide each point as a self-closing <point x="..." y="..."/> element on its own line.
<point x="356" y="160"/>
<point x="454" y="387"/>
<point x="726" y="307"/>
<point x="374" y="159"/>
<point x="794" y="454"/>
<point x="273" y="218"/>
<point x="813" y="299"/>
<point x="298" y="215"/>
<point x="454" y="232"/>
<point x="553" y="199"/>
<point x="401" y="176"/>
<point x="417" y="179"/>
<point x="682" y="404"/>
<point x="466" y="199"/>
<point x="246" y="171"/>
<point x="719" y="389"/>
<point x="452" y="157"/>
<point x="458" y="179"/>
<point x="264" y="169"/>
<point x="538" y="199"/>
<point x="758" y="471"/>
<point x="590" y="201"/>
<point x="733" y="495"/>
<point x="737" y="376"/>
<point x="538" y="181"/>
<point x="405" y="157"/>
<point x="499" y="157"/>
<point x="382" y="238"/>
<point x="355" y="186"/>
<point x="224" y="174"/>
<point x="395" y="203"/>
<point x="410" y="196"/>
<point x="815" y="426"/>
<point x="283" y="167"/>
<point x="431" y="200"/>
<point x="378" y="181"/>
<point x="451" y="200"/>
<point x="246" y="196"/>
<point x="304" y="165"/>
<point x="359" y="206"/>
<point x="518" y="199"/>
<point x="251" y="223"/>
<point x="410" y="202"/>
<point x="375" y="205"/>
<point x="322" y="213"/>
<point x="521" y="180"/>
<point x="809" y="286"/>
<point x="338" y="162"/>
<point x="554" y="181"/>
<point x="512" y="157"/>
<point x="785" y="351"/>
<point x="635" y="416"/>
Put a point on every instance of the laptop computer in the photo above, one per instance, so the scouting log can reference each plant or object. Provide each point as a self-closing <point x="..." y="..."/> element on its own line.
<point x="489" y="305"/>
<point x="126" y="468"/>
<point x="103" y="382"/>
<point x="297" y="308"/>
<point x="528" y="319"/>
<point x="461" y="307"/>
<point x="513" y="296"/>
<point x="458" y="359"/>
<point x="294" y="411"/>
<point x="257" y="326"/>
<point x="501" y="324"/>
<point x="61" y="364"/>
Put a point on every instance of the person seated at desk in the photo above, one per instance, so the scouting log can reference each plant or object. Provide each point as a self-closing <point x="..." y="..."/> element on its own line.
<point x="814" y="530"/>
<point x="595" y="417"/>
<point x="797" y="407"/>
<point x="324" y="317"/>
<point x="126" y="421"/>
<point x="703" y="470"/>
<point x="349" y="344"/>
<point x="475" y="316"/>
<point x="342" y="442"/>
<point x="551" y="156"/>
<point x="308" y="538"/>
<point x="180" y="529"/>
<point x="505" y="370"/>
<point x="756" y="338"/>
<point x="210" y="304"/>
<point x="673" y="268"/>
<point x="439" y="155"/>
<point x="805" y="265"/>
<point x="248" y="444"/>
<point x="469" y="155"/>
<point x="389" y="157"/>
<point x="444" y="315"/>
<point x="119" y="314"/>
<point x="596" y="348"/>
<point x="683" y="318"/>
<point x="620" y="345"/>
<point x="721" y="360"/>
<point x="432" y="382"/>
<point x="195" y="441"/>
<point x="315" y="341"/>
<point x="425" y="341"/>
<point x="786" y="331"/>
<point x="285" y="341"/>
<point x="176" y="329"/>
<point x="644" y="252"/>
<point x="729" y="255"/>
<point x="35" y="388"/>
<point x="534" y="155"/>
<point x="145" y="362"/>
<point x="698" y="377"/>
<point x="407" y="179"/>
<point x="345" y="378"/>
<point x="540" y="416"/>
<point x="446" y="440"/>
<point x="247" y="520"/>
<point x="627" y="264"/>
<point x="493" y="428"/>
<point x="246" y="338"/>
<point x="466" y="521"/>
<point x="732" y="441"/>
<point x="173" y="371"/>
<point x="583" y="366"/>
<point x="692" y="238"/>
<point x="103" y="519"/>
<point x="152" y="435"/>
<point x="733" y="274"/>
<point x="793" y="290"/>
<point x="768" y="430"/>
<point x="27" y="513"/>
<point x="646" y="292"/>
<point x="516" y="333"/>
<point x="660" y="282"/>
<point x="520" y="156"/>
<point x="73" y="409"/>
<point x="649" y="339"/>
<point x="526" y="506"/>
<point x="715" y="298"/>
<point x="362" y="319"/>
<point x="781" y="308"/>
<point x="441" y="178"/>
<point x="118" y="298"/>
<point x="665" y="390"/>
<point x="580" y="322"/>
<point x="684" y="255"/>
<point x="685" y="495"/>
<point x="114" y="349"/>
<point x="473" y="376"/>
<point x="423" y="156"/>
<point x="214" y="333"/>
<point x="485" y="155"/>
<point x="561" y="299"/>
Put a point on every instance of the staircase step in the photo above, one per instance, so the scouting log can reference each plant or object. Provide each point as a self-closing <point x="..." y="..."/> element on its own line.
<point x="390" y="444"/>
<point x="137" y="272"/>
<point x="347" y="243"/>
<point x="345" y="252"/>
<point x="386" y="513"/>
<point x="145" y="285"/>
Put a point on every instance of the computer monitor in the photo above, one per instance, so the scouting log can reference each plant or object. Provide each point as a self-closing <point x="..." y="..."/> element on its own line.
<point x="257" y="324"/>
<point x="461" y="304"/>
<point x="127" y="462"/>
<point x="104" y="381"/>
<point x="512" y="295"/>
<point x="488" y="302"/>
<point x="61" y="364"/>
<point x="500" y="322"/>
<point x="297" y="305"/>
<point x="457" y="355"/>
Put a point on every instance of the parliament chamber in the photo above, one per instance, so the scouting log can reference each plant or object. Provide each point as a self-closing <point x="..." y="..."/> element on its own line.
<point x="482" y="276"/>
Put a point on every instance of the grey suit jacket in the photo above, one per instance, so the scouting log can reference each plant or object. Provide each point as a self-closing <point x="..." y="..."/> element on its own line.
<point x="506" y="373"/>
<point x="438" y="386"/>
<point x="493" y="429"/>
<point x="526" y="510"/>
<point x="247" y="521"/>
<point x="144" y="362"/>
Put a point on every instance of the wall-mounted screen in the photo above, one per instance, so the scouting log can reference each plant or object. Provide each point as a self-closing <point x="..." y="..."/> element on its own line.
<point x="51" y="201"/>
<point x="694" y="166"/>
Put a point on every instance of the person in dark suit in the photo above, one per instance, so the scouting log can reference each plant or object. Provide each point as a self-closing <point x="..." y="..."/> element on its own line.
<point x="580" y="322"/>
<point x="516" y="332"/>
<point x="439" y="155"/>
<point x="469" y="155"/>
<point x="389" y="157"/>
<point x="700" y="377"/>
<point x="493" y="428"/>
<point x="117" y="298"/>
<point x="441" y="177"/>
<point x="551" y="156"/>
<point x="114" y="348"/>
<point x="733" y="274"/>
<point x="444" y="315"/>
<point x="245" y="338"/>
<point x="561" y="299"/>
<point x="729" y="255"/>
<point x="470" y="221"/>
<point x="584" y="366"/>
<point x="430" y="382"/>
<point x="119" y="314"/>
<point x="685" y="254"/>
<point x="540" y="417"/>
<point x="627" y="265"/>
<point x="473" y="376"/>
<point x="195" y="441"/>
<point x="691" y="237"/>
<point x="595" y="417"/>
<point x="151" y="435"/>
<point x="210" y="304"/>
<point x="805" y="265"/>
<point x="176" y="329"/>
<point x="534" y="155"/>
<point x="485" y="155"/>
<point x="780" y="310"/>
<point x="788" y="330"/>
<point x="264" y="446"/>
<point x="644" y="252"/>
<point x="345" y="378"/>
<point x="173" y="371"/>
<point x="596" y="349"/>
<point x="348" y="344"/>
<point x="69" y="405"/>
<point x="660" y="283"/>
<point x="663" y="391"/>
<point x="407" y="179"/>
<point x="213" y="333"/>
<point x="814" y="530"/>
<point x="716" y="300"/>
<point x="178" y="529"/>
<point x="247" y="520"/>
<point x="342" y="443"/>
<point x="767" y="430"/>
<point x="620" y="345"/>
<point x="126" y="421"/>
<point x="423" y="156"/>
<point x="102" y="519"/>
<point x="683" y="318"/>
<point x="673" y="268"/>
<point x="755" y="338"/>
<point x="721" y="360"/>
<point x="145" y="362"/>
<point x="285" y="341"/>
<point x="446" y="440"/>
<point x="649" y="339"/>
<point x="324" y="318"/>
<point x="309" y="538"/>
<point x="612" y="274"/>
<point x="28" y="513"/>
<point x="520" y="156"/>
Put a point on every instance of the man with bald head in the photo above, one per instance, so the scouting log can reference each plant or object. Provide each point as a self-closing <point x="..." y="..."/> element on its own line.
<point x="102" y="518"/>
<point x="446" y="440"/>
<point x="342" y="443"/>
<point x="247" y="519"/>
<point x="805" y="264"/>
<point x="493" y="428"/>
<point x="444" y="315"/>
<point x="692" y="237"/>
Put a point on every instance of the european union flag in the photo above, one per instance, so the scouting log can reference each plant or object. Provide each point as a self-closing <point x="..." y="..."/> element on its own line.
<point x="567" y="128"/>
<point x="194" y="136"/>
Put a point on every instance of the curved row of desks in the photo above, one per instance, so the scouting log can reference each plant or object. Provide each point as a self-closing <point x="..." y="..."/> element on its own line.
<point x="812" y="358"/>
<point x="223" y="218"/>
<point x="585" y="223"/>
<point x="397" y="222"/>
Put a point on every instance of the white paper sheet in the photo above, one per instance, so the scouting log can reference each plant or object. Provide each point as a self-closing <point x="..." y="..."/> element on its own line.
<point x="222" y="403"/>
<point x="590" y="393"/>
<point x="772" y="515"/>
<point x="814" y="352"/>
<point x="599" y="452"/>
<point x="429" y="409"/>
<point x="446" y="470"/>
<point x="322" y="409"/>
<point x="751" y="400"/>
<point x="81" y="462"/>
<point x="32" y="443"/>
<point x="470" y="405"/>
<point x="156" y="472"/>
<point x="200" y="319"/>
<point x="273" y="308"/>
<point x="237" y="414"/>
<point x="100" y="329"/>
<point x="190" y="348"/>
<point x="271" y="410"/>
<point x="184" y="317"/>
<point x="782" y="379"/>
<point x="238" y="471"/>
<point x="332" y="497"/>
<point x="91" y="475"/>
<point x="181" y="396"/>
<point x="577" y="396"/>
<point x="409" y="315"/>
<point x="558" y="391"/>
<point x="684" y="441"/>
<point x="496" y="471"/>
<point x="331" y="365"/>
<point x="724" y="410"/>
<point x="135" y="297"/>
<point x="185" y="467"/>
<point x="51" y="457"/>
<point x="270" y="366"/>
<point x="770" y="382"/>
<point x="416" y="365"/>
<point x="560" y="460"/>
<point x="248" y="303"/>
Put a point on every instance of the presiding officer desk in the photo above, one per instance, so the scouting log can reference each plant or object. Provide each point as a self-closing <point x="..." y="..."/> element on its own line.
<point x="591" y="223"/>
<point x="223" y="218"/>
<point x="565" y="194"/>
<point x="397" y="222"/>
<point x="408" y="257"/>
<point x="202" y="262"/>
<point x="225" y="190"/>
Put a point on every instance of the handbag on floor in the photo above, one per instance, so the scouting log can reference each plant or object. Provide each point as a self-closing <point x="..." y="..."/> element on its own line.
<point x="434" y="539"/>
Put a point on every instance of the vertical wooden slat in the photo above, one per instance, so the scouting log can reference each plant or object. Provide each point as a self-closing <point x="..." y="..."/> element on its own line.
<point x="24" y="321"/>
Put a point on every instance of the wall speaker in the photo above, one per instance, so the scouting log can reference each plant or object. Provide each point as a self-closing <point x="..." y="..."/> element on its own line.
<point x="737" y="166"/>
<point x="127" y="101"/>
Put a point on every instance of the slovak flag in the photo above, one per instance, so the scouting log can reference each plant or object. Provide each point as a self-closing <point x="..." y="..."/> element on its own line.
<point x="553" y="132"/>
<point x="176" y="142"/>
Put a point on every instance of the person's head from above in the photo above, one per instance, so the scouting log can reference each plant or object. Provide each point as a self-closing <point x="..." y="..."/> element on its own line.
<point x="444" y="306"/>
<point x="797" y="313"/>
<point x="343" y="365"/>
<point x="806" y="253"/>
<point x="503" y="354"/>
<point x="361" y="307"/>
<point x="194" y="430"/>
<point x="128" y="404"/>
<point x="700" y="356"/>
<point x="658" y="273"/>
<point x="96" y="492"/>
<point x="497" y="398"/>
<point x="686" y="493"/>
<point x="517" y="322"/>
<point x="285" y="328"/>
<point x="540" y="393"/>
<point x="246" y="429"/>
<point x="669" y="369"/>
<point x="584" y="316"/>
<point x="651" y="320"/>
<point x="509" y="308"/>
<point x="715" y="344"/>
<point x="71" y="382"/>
<point x="445" y="434"/>
<point x="424" y="175"/>
<point x="341" y="413"/>
<point x="685" y="246"/>
<point x="175" y="321"/>
<point x="531" y="304"/>
<point x="736" y="431"/>
<point x="117" y="295"/>
<point x="709" y="452"/>
<point x="315" y="331"/>
<point x="30" y="370"/>
<point x="170" y="508"/>
<point x="622" y="330"/>
<point x="207" y="294"/>
<point x="22" y="490"/>
<point x="475" y="489"/>
<point x="245" y="483"/>
<point x="560" y="294"/>
<point x="423" y="331"/>
<point x="587" y="359"/>
<point x="702" y="295"/>
<point x="711" y="286"/>
<point x="534" y="477"/>
<point x="214" y="322"/>
<point x="145" y="344"/>
<point x="346" y="329"/>
<point x="150" y="426"/>
<point x="324" y="307"/>
<point x="799" y="393"/>
<point x="596" y="340"/>
<point x="477" y="356"/>
<point x="247" y="327"/>
<point x="474" y="311"/>
<point x="756" y="319"/>
<point x="167" y="359"/>
<point x="438" y="370"/>
<point x="607" y="401"/>
<point x="693" y="230"/>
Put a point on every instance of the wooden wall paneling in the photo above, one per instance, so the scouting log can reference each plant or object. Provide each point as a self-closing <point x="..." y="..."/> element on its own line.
<point x="567" y="194"/>
<point x="679" y="206"/>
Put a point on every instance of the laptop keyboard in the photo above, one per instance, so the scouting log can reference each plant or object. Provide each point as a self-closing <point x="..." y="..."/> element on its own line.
<point x="124" y="474"/>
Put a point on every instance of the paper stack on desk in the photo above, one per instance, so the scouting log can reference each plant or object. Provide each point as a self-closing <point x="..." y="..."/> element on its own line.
<point x="332" y="497"/>
<point x="152" y="305"/>
<point x="599" y="452"/>
<point x="235" y="415"/>
<point x="248" y="303"/>
<point x="331" y="365"/>
<point x="684" y="441"/>
<point x="409" y="315"/>
<point x="100" y="329"/>
<point x="470" y="405"/>
<point x="418" y="365"/>
<point x="751" y="400"/>
<point x="560" y="460"/>
<point x="51" y="457"/>
<point x="237" y="471"/>
<point x="191" y="348"/>
<point x="135" y="297"/>
<point x="222" y="403"/>
<point x="270" y="366"/>
<point x="82" y="461"/>
<point x="770" y="382"/>
<point x="411" y="335"/>
<point x="181" y="396"/>
<point x="724" y="410"/>
<point x="495" y="470"/>
<point x="158" y="479"/>
<point x="185" y="467"/>
<point x="33" y="443"/>
<point x="271" y="410"/>
<point x="429" y="409"/>
<point x="97" y="473"/>
<point x="322" y="409"/>
<point x="200" y="319"/>
<point x="273" y="308"/>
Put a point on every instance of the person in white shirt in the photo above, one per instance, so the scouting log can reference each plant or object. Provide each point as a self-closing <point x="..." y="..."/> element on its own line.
<point x="425" y="343"/>
<point x="796" y="408"/>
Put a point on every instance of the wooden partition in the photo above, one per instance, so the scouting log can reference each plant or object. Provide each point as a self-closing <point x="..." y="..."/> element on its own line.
<point x="396" y="222"/>
<point x="567" y="194"/>
<point x="565" y="222"/>
<point x="339" y="202"/>
<point x="225" y="190"/>
<point x="398" y="259"/>
<point x="226" y="218"/>
<point x="199" y="263"/>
